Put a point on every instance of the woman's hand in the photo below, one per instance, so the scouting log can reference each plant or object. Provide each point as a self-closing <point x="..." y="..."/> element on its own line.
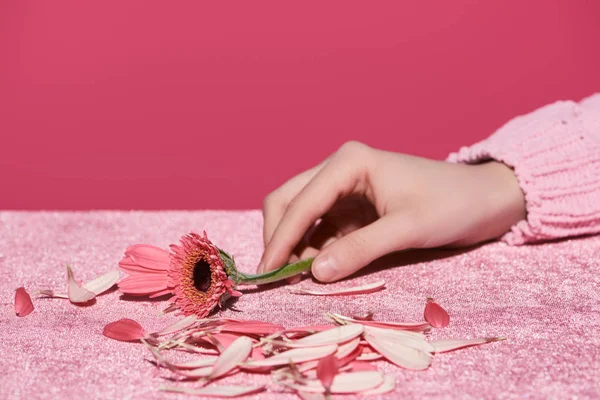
<point x="362" y="203"/>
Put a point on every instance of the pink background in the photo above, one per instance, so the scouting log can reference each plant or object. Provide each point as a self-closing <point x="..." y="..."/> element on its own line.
<point x="155" y="105"/>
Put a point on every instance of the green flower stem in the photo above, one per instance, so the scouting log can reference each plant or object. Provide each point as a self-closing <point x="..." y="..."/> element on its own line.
<point x="279" y="274"/>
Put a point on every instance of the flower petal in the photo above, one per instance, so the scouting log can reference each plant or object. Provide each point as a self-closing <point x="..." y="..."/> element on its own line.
<point x="405" y="326"/>
<point x="327" y="369"/>
<point x="252" y="327"/>
<point x="144" y="284"/>
<point x="295" y="356"/>
<point x="52" y="293"/>
<point x="388" y="385"/>
<point x="178" y="326"/>
<point x="435" y="314"/>
<point x="195" y="364"/>
<point x="410" y="339"/>
<point x="124" y="329"/>
<point x="217" y="391"/>
<point x="149" y="256"/>
<point x="362" y="289"/>
<point x="339" y="334"/>
<point x="399" y="352"/>
<point x="445" y="345"/>
<point x="345" y="383"/>
<point x="77" y="294"/>
<point x="103" y="282"/>
<point x="235" y="354"/>
<point x="23" y="303"/>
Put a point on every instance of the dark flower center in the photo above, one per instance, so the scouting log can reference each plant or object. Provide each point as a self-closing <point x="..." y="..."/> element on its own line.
<point x="202" y="275"/>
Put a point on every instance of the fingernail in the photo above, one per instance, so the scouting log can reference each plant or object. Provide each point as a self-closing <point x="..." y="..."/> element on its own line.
<point x="324" y="269"/>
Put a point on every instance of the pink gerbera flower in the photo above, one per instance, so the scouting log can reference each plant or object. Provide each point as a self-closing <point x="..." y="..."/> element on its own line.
<point x="193" y="273"/>
<point x="197" y="274"/>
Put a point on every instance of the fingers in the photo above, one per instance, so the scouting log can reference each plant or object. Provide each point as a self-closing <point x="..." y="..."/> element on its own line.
<point x="276" y="203"/>
<point x="345" y="173"/>
<point x="359" y="248"/>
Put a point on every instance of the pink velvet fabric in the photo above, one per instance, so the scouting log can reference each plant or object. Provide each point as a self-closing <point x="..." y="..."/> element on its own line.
<point x="544" y="298"/>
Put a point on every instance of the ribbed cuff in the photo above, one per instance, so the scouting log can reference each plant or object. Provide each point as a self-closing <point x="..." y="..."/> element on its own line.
<point x="555" y="154"/>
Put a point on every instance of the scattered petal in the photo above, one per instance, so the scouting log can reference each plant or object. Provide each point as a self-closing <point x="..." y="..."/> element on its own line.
<point x="445" y="345"/>
<point x="435" y="314"/>
<point x="235" y="354"/>
<point x="252" y="327"/>
<point x="195" y="364"/>
<point x="367" y="317"/>
<point x="52" y="293"/>
<point x="339" y="334"/>
<point x="23" y="303"/>
<point x="399" y="352"/>
<point x="388" y="385"/>
<point x="293" y="356"/>
<point x="405" y="326"/>
<point x="102" y="283"/>
<point x="345" y="383"/>
<point x="368" y="288"/>
<point x="77" y="294"/>
<point x="369" y="357"/>
<point x="217" y="391"/>
<point x="124" y="329"/>
<point x="178" y="326"/>
<point x="310" y="396"/>
<point x="327" y="369"/>
<point x="411" y="339"/>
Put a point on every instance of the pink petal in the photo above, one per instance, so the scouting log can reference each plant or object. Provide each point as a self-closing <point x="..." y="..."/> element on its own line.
<point x="445" y="345"/>
<point x="149" y="256"/>
<point x="124" y="329"/>
<point x="103" y="282"/>
<point x="235" y="354"/>
<point x="388" y="385"/>
<point x="363" y="366"/>
<point x="410" y="339"/>
<point x="252" y="327"/>
<point x="295" y="356"/>
<point x="367" y="317"/>
<point x="399" y="351"/>
<point x="77" y="294"/>
<point x="144" y="284"/>
<point x="436" y="315"/>
<point x="195" y="364"/>
<point x="368" y="288"/>
<point x="178" y="326"/>
<point x="52" y="293"/>
<point x="305" y="330"/>
<point x="344" y="354"/>
<point x="327" y="369"/>
<point x="369" y="357"/>
<point x="310" y="396"/>
<point x="23" y="303"/>
<point x="335" y="335"/>
<point x="217" y="391"/>
<point x="345" y="383"/>
<point x="405" y="326"/>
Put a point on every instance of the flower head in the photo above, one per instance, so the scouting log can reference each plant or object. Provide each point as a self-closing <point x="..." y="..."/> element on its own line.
<point x="193" y="272"/>
<point x="197" y="276"/>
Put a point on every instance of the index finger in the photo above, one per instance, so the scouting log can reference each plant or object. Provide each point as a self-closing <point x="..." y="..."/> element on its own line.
<point x="340" y="177"/>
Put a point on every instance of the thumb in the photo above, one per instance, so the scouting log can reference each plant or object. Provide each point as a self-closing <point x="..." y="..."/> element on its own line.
<point x="359" y="248"/>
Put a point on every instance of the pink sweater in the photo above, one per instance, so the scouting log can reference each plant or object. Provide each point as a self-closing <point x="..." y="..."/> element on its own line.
<point x="555" y="153"/>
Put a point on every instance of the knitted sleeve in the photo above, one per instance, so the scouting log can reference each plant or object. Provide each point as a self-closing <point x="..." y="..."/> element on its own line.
<point x="555" y="154"/>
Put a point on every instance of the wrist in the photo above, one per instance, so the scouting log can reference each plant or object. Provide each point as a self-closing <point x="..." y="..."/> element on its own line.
<point x="503" y="198"/>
